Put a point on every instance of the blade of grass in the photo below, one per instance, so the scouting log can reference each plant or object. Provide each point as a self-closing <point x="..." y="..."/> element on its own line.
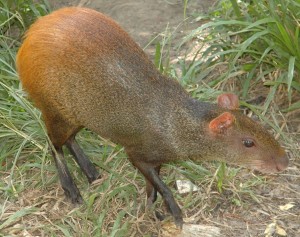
<point x="17" y="215"/>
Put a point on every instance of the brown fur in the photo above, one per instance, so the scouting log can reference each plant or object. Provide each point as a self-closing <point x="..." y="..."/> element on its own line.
<point x="82" y="70"/>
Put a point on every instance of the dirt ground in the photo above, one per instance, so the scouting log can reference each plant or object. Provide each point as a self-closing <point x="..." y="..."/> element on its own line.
<point x="144" y="20"/>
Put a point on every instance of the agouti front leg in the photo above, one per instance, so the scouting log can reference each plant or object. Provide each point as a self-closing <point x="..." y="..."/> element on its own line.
<point x="67" y="183"/>
<point x="150" y="173"/>
<point x="82" y="160"/>
<point x="152" y="196"/>
<point x="150" y="190"/>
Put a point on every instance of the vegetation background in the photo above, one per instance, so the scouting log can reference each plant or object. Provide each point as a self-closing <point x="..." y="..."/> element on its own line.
<point x="249" y="47"/>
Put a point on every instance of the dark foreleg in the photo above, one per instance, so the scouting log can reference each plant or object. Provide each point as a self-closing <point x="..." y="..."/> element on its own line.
<point x="152" y="176"/>
<point x="150" y="190"/>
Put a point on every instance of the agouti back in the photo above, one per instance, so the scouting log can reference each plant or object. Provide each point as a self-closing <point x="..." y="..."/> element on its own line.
<point x="82" y="70"/>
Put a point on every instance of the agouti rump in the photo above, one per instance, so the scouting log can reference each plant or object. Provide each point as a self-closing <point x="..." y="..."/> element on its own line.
<point x="82" y="70"/>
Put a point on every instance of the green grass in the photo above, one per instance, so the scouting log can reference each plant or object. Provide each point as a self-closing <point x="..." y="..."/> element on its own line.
<point x="258" y="44"/>
<point x="241" y="45"/>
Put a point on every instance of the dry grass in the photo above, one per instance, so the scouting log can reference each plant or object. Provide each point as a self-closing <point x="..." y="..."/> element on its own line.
<point x="33" y="204"/>
<point x="115" y="204"/>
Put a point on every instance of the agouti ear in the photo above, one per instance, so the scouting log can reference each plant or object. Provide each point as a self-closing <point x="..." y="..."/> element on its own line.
<point x="221" y="123"/>
<point x="228" y="101"/>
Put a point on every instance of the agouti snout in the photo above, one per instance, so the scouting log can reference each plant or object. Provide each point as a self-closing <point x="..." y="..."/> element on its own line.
<point x="82" y="70"/>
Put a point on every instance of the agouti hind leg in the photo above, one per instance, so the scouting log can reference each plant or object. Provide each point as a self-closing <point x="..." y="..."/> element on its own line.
<point x="152" y="176"/>
<point x="70" y="189"/>
<point x="62" y="132"/>
<point x="82" y="160"/>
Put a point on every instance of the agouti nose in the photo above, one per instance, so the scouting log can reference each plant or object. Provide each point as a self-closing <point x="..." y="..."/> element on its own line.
<point x="282" y="161"/>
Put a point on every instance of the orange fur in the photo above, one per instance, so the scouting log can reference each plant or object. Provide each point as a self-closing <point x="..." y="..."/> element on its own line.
<point x="88" y="37"/>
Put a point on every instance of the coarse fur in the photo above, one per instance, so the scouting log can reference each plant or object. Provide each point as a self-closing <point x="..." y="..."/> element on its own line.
<point x="82" y="70"/>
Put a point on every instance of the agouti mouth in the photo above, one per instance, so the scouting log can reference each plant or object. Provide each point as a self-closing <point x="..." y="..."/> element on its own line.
<point x="273" y="165"/>
<point x="282" y="164"/>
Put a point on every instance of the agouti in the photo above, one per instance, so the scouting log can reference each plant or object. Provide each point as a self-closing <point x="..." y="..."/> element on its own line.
<point x="82" y="70"/>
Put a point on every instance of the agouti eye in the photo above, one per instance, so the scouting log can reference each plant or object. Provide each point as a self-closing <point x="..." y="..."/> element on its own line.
<point x="248" y="143"/>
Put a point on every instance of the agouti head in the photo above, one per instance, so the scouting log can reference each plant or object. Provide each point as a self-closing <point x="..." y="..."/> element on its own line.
<point x="242" y="141"/>
<point x="82" y="70"/>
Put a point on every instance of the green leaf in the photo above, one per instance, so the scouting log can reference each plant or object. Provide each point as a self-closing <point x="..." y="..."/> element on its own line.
<point x="293" y="107"/>
<point x="17" y="215"/>
<point x="157" y="57"/>
<point x="291" y="71"/>
<point x="221" y="175"/>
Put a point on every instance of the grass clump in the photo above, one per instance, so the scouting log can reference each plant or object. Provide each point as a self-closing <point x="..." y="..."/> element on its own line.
<point x="20" y="13"/>
<point x="257" y="42"/>
<point x="18" y="118"/>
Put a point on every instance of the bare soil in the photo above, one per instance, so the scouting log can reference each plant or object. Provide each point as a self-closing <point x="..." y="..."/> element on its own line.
<point x="142" y="19"/>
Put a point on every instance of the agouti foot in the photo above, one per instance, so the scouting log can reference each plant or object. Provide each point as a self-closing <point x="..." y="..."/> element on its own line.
<point x="179" y="222"/>
<point x="93" y="177"/>
<point x="75" y="197"/>
<point x="77" y="200"/>
<point x="159" y="216"/>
